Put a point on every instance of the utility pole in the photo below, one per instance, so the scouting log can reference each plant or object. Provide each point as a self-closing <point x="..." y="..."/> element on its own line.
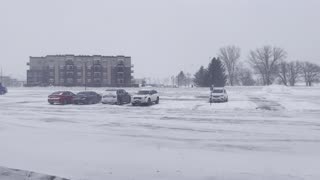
<point x="1" y="75"/>
<point x="85" y="76"/>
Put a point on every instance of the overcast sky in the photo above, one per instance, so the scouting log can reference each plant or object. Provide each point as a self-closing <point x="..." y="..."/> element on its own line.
<point x="162" y="36"/>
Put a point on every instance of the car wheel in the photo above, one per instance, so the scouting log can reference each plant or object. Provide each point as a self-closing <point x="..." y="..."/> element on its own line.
<point x="133" y="104"/>
<point x="51" y="103"/>
<point x="120" y="101"/>
<point x="158" y="100"/>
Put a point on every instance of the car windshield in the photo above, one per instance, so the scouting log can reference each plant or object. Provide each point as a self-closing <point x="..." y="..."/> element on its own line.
<point x="217" y="91"/>
<point x="111" y="93"/>
<point x="57" y="93"/>
<point x="83" y="93"/>
<point x="144" y="92"/>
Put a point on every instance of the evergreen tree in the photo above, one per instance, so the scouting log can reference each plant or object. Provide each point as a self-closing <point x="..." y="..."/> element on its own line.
<point x="181" y="79"/>
<point x="216" y="73"/>
<point x="201" y="77"/>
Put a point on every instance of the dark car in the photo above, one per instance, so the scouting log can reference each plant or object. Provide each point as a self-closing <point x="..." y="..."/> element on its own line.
<point x="61" y="97"/>
<point x="87" y="97"/>
<point x="3" y="90"/>
<point x="116" y="96"/>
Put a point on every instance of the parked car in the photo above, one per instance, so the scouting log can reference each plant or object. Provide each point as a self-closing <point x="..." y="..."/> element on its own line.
<point x="218" y="94"/>
<point x="61" y="97"/>
<point x="87" y="97"/>
<point x="116" y="96"/>
<point x="3" y="90"/>
<point x="146" y="97"/>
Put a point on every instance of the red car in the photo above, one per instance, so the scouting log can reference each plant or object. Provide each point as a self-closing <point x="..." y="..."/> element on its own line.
<point x="61" y="97"/>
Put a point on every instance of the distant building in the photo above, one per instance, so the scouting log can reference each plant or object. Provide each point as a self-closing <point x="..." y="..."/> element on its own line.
<point x="139" y="82"/>
<point x="10" y="82"/>
<point x="71" y="70"/>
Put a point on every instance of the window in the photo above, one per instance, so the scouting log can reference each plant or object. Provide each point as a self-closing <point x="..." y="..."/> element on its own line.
<point x="69" y="67"/>
<point x="79" y="73"/>
<point x="69" y="80"/>
<point x="120" y="81"/>
<point x="120" y="75"/>
<point x="217" y="91"/>
<point x="97" y="74"/>
<point x="97" y="68"/>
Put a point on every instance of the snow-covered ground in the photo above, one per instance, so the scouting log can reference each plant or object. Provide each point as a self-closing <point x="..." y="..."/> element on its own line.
<point x="17" y="174"/>
<point x="262" y="133"/>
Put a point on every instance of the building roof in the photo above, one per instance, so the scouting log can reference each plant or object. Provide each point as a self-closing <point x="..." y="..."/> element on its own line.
<point x="65" y="55"/>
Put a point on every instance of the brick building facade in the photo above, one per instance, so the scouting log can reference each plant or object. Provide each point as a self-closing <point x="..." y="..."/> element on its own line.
<point x="71" y="70"/>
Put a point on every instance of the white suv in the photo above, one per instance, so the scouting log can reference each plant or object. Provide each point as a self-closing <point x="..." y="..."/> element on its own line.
<point x="146" y="97"/>
<point x="218" y="94"/>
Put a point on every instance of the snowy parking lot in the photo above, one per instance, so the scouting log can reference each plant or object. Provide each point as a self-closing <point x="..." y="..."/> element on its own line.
<point x="262" y="133"/>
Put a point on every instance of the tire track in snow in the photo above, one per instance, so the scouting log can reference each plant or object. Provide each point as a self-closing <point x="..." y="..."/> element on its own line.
<point x="265" y="104"/>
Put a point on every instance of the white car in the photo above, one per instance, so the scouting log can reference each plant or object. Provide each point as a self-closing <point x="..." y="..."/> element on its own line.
<point x="218" y="94"/>
<point x="116" y="96"/>
<point x="146" y="97"/>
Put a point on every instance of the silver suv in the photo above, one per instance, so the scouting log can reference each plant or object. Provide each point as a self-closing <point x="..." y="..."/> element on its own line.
<point x="218" y="94"/>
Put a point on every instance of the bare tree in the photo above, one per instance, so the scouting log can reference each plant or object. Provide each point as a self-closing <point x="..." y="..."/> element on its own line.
<point x="311" y="73"/>
<point x="295" y="69"/>
<point x="265" y="62"/>
<point x="284" y="72"/>
<point x="289" y="72"/>
<point x="230" y="56"/>
<point x="245" y="77"/>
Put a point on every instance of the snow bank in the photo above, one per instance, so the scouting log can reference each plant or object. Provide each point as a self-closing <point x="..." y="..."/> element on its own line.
<point x="300" y="99"/>
<point x="16" y="174"/>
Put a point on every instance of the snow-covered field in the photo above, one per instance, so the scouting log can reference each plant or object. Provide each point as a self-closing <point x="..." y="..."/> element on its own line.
<point x="262" y="133"/>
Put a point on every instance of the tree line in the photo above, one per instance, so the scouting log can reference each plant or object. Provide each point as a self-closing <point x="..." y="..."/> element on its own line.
<point x="263" y="66"/>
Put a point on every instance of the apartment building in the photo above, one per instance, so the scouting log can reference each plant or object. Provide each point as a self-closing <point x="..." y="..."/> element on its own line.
<point x="81" y="70"/>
